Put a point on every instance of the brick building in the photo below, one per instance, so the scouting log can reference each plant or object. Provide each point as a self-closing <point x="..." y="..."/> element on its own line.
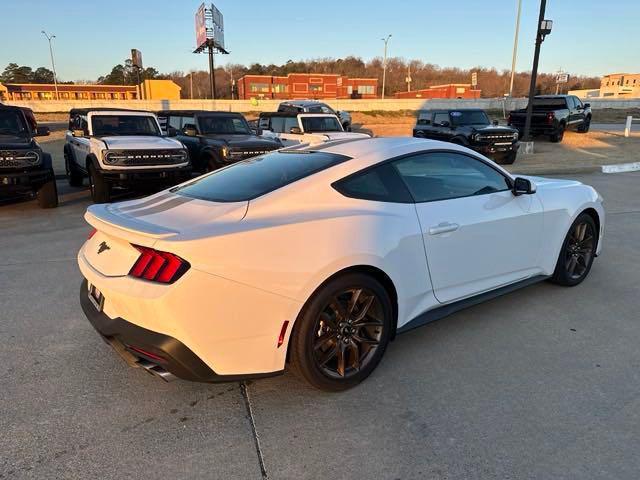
<point x="306" y="85"/>
<point x="451" y="90"/>
<point x="152" y="89"/>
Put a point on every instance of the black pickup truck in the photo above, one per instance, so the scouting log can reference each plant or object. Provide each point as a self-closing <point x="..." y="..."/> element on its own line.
<point x="472" y="128"/>
<point x="24" y="167"/>
<point x="553" y="115"/>
<point x="214" y="139"/>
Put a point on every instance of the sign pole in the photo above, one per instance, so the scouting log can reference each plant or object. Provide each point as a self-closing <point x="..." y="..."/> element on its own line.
<point x="212" y="74"/>
<point x="534" y="72"/>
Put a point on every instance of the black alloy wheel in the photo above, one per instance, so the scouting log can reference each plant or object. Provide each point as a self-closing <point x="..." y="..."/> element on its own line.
<point x="578" y="252"/>
<point x="342" y="332"/>
<point x="347" y="332"/>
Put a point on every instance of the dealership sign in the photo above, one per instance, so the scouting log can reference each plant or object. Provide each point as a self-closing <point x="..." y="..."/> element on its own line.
<point x="562" y="78"/>
<point x="209" y="27"/>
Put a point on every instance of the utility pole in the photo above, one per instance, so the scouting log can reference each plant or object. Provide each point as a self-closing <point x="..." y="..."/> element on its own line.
<point x="515" y="49"/>
<point x="53" y="64"/>
<point x="384" y="64"/>
<point x="191" y="85"/>
<point x="409" y="77"/>
<point x="543" y="29"/>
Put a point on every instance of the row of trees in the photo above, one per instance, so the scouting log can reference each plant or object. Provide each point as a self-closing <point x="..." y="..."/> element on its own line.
<point x="14" y="73"/>
<point x="492" y="82"/>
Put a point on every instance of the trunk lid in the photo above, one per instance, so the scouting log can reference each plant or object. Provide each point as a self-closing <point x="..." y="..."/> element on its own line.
<point x="145" y="221"/>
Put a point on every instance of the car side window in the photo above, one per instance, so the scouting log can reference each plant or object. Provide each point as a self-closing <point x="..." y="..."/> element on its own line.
<point x="445" y="175"/>
<point x="325" y="109"/>
<point x="290" y="122"/>
<point x="380" y="184"/>
<point x="263" y="123"/>
<point x="424" y="118"/>
<point x="315" y="109"/>
<point x="577" y="102"/>
<point x="438" y="118"/>
<point x="174" y="122"/>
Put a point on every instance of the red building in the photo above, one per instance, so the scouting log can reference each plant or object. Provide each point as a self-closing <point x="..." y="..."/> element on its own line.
<point x="306" y="85"/>
<point x="451" y="90"/>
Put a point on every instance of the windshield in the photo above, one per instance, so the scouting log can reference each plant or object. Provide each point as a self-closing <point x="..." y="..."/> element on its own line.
<point x="109" y="125"/>
<point x="12" y="124"/>
<point x="321" y="124"/>
<point x="256" y="176"/>
<point x="231" y="125"/>
<point x="471" y="117"/>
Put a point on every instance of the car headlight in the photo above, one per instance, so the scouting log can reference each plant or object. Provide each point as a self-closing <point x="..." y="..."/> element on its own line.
<point x="110" y="157"/>
<point x="225" y="151"/>
<point x="475" y="137"/>
<point x="515" y="136"/>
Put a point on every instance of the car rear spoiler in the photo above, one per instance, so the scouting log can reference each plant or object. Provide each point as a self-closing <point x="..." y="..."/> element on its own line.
<point x="119" y="224"/>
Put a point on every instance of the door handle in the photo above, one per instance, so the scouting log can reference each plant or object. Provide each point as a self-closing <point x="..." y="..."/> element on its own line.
<point x="443" y="227"/>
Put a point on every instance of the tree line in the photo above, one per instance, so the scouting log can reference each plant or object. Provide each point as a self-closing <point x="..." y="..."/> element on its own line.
<point x="492" y="82"/>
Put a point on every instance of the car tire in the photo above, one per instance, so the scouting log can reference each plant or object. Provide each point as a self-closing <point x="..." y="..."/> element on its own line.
<point x="558" y="135"/>
<point x="100" y="189"/>
<point x="584" y="128"/>
<point x="508" y="159"/>
<point x="47" y="194"/>
<point x="577" y="253"/>
<point x="342" y="332"/>
<point x="74" y="176"/>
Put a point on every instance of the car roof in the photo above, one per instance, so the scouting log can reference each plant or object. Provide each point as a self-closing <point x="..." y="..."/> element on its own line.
<point x="85" y="111"/>
<point x="302" y="103"/>
<point x="10" y="107"/>
<point x="552" y="96"/>
<point x="165" y="113"/>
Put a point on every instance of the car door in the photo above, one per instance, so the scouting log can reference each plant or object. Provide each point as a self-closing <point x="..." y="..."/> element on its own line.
<point x="181" y="123"/>
<point x="80" y="146"/>
<point x="477" y="234"/>
<point x="578" y="112"/>
<point x="441" y="126"/>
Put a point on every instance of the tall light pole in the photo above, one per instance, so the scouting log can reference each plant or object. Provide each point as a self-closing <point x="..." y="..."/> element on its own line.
<point x="543" y="29"/>
<point x="53" y="65"/>
<point x="384" y="64"/>
<point x="515" y="49"/>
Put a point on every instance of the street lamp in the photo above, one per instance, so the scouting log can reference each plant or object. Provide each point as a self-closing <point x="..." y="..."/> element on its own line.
<point x="53" y="65"/>
<point x="384" y="64"/>
<point x="515" y="49"/>
<point x="544" y="29"/>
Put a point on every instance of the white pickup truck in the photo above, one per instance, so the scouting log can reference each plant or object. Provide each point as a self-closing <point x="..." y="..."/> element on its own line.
<point x="296" y="128"/>
<point x="122" y="149"/>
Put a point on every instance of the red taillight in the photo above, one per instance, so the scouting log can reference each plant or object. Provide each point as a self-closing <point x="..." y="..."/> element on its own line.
<point x="91" y="233"/>
<point x="156" y="266"/>
<point x="152" y="356"/>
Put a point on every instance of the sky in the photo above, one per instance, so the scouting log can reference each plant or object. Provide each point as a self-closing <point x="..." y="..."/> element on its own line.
<point x="590" y="37"/>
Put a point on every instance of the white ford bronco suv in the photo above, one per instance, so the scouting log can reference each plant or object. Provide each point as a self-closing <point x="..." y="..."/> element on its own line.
<point x="309" y="128"/>
<point x="118" y="148"/>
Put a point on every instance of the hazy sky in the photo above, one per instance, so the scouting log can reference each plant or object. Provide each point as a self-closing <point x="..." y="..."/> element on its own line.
<point x="591" y="37"/>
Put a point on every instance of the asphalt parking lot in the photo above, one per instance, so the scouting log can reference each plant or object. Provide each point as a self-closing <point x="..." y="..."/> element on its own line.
<point x="542" y="383"/>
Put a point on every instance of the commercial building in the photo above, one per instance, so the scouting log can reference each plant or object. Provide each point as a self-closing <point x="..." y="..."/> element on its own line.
<point x="450" y="90"/>
<point x="151" y="90"/>
<point x="620" y="85"/>
<point x="306" y="85"/>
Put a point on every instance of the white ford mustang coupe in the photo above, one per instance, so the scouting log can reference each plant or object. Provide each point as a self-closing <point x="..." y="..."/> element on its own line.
<point x="318" y="256"/>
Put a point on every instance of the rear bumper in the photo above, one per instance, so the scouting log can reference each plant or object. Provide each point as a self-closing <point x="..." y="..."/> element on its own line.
<point x="538" y="128"/>
<point x="135" y="343"/>
<point x="25" y="179"/>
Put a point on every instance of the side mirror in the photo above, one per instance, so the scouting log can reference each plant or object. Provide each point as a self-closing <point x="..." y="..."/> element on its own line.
<point x="296" y="130"/>
<point x="523" y="186"/>
<point x="496" y="123"/>
<point x="190" y="132"/>
<point x="172" y="132"/>
<point x="77" y="133"/>
<point x="587" y="105"/>
<point x="42" y="131"/>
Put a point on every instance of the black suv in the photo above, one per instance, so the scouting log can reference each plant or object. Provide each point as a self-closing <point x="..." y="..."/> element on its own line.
<point x="472" y="128"/>
<point x="24" y="167"/>
<point x="214" y="139"/>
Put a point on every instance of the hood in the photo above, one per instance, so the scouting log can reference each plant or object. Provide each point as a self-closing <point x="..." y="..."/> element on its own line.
<point x="550" y="183"/>
<point x="140" y="142"/>
<point x="243" y="141"/>
<point x="494" y="129"/>
<point x="17" y="143"/>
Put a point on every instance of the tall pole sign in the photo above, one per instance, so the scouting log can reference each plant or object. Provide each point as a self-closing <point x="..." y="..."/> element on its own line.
<point x="210" y="37"/>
